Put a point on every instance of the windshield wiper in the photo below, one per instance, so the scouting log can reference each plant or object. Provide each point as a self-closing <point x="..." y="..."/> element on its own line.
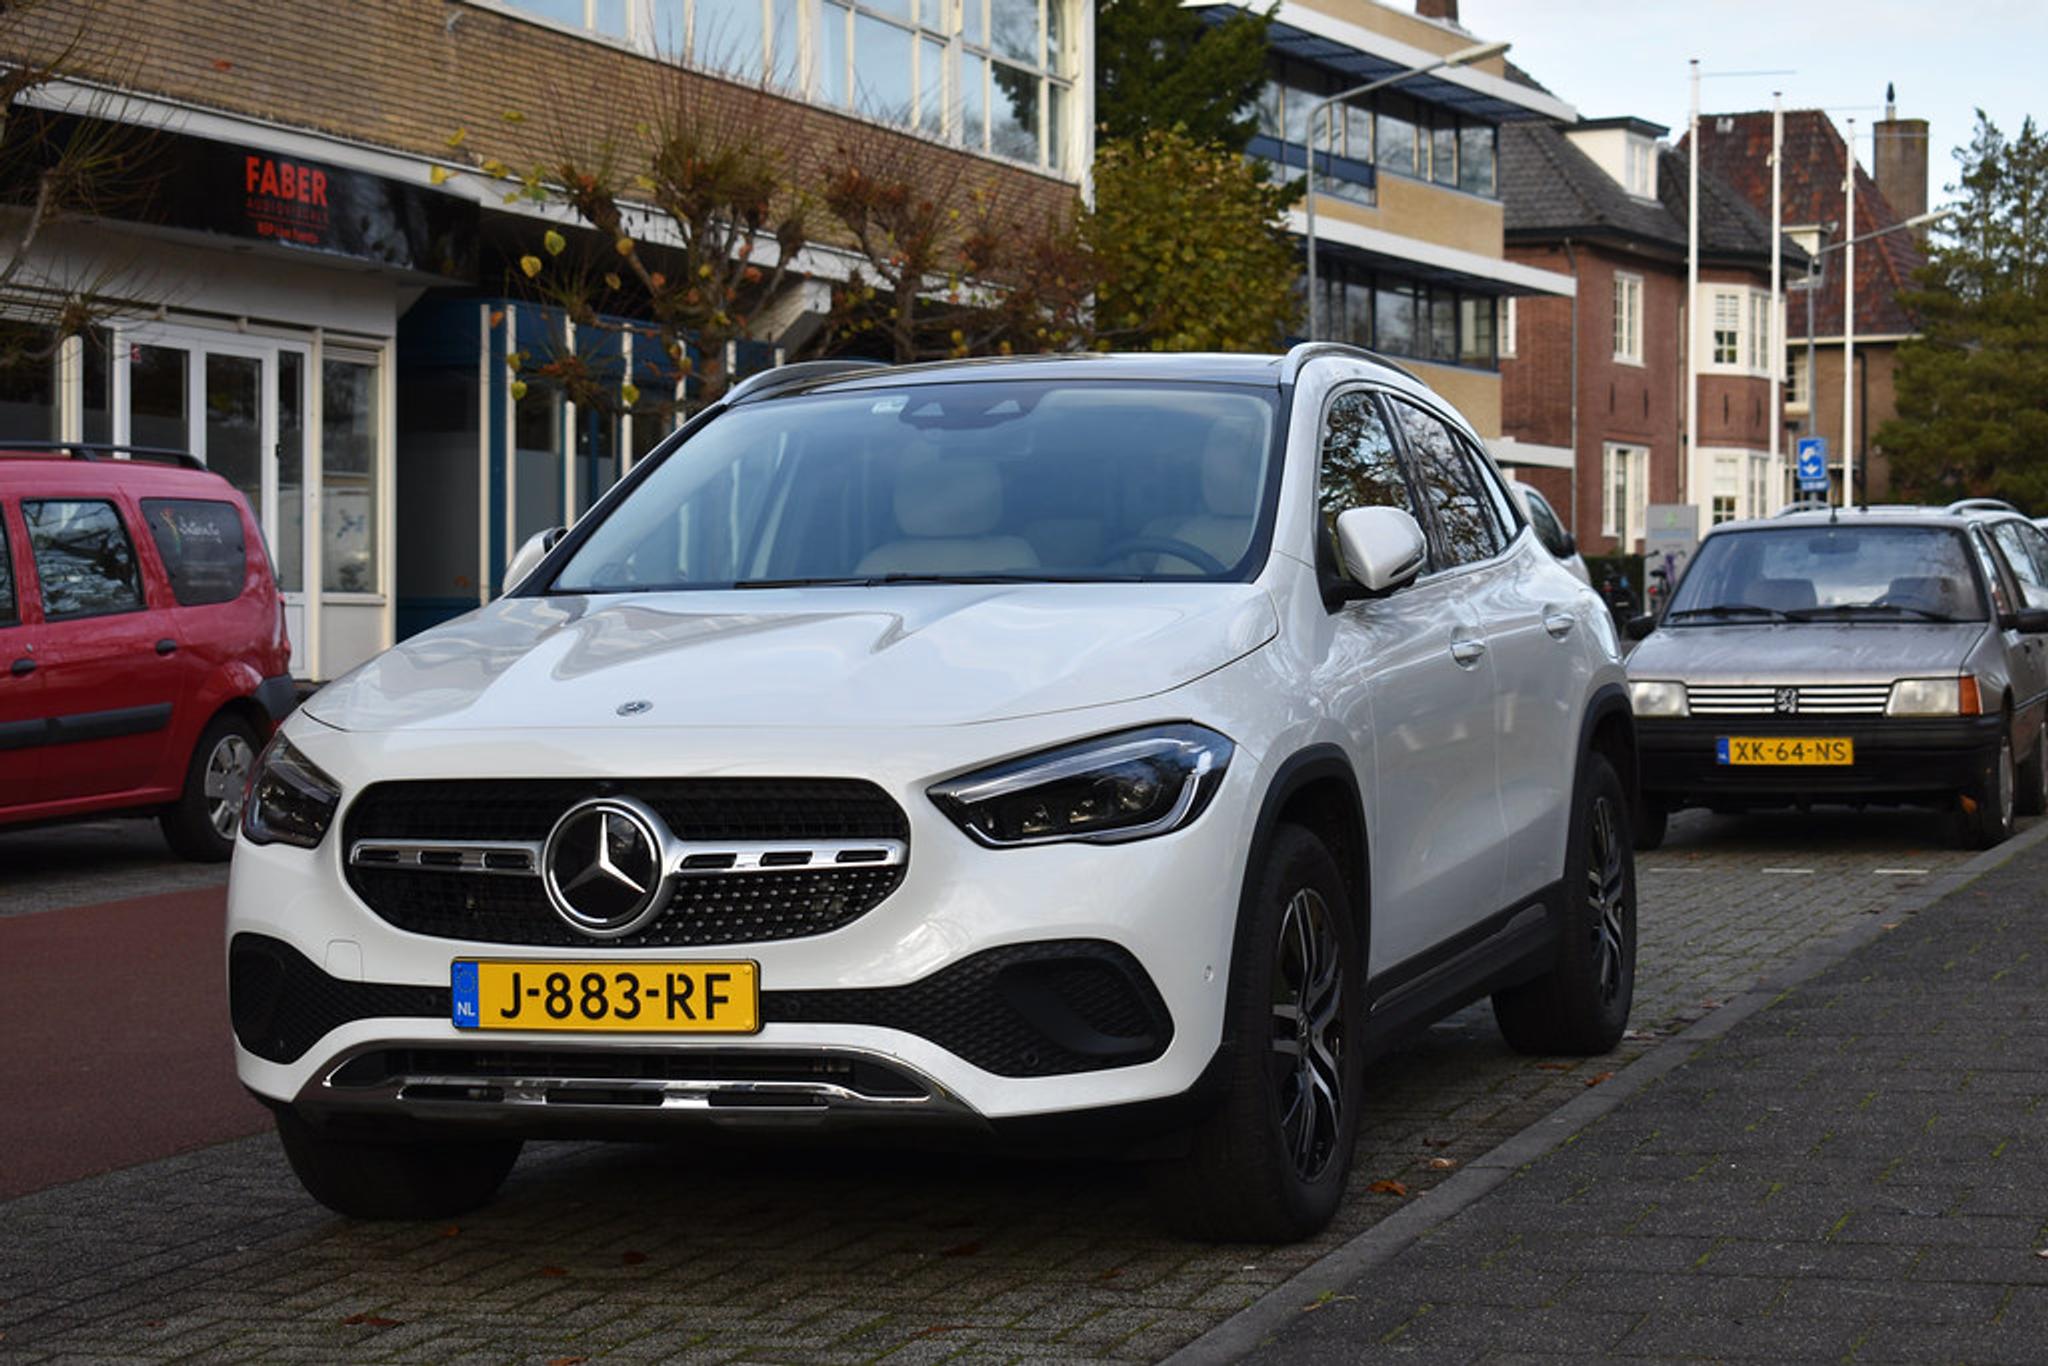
<point x="1845" y="609"/>
<point x="883" y="580"/>
<point x="1731" y="609"/>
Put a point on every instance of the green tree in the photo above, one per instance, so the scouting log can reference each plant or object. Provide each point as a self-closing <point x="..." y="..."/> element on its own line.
<point x="1159" y="66"/>
<point x="1973" y="385"/>
<point x="1188" y="249"/>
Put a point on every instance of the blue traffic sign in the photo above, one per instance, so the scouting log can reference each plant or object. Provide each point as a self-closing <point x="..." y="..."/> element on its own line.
<point x="1813" y="462"/>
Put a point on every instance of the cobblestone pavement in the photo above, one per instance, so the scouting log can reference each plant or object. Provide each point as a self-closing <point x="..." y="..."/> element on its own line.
<point x="787" y="1252"/>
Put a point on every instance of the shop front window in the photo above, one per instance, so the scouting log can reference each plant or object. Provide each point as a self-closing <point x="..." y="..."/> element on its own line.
<point x="28" y="384"/>
<point x="159" y="397"/>
<point x="234" y="427"/>
<point x="348" y="477"/>
<point x="289" y="537"/>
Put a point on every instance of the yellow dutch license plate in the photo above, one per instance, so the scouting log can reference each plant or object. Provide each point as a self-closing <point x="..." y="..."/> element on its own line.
<point x="1782" y="749"/>
<point x="647" y="998"/>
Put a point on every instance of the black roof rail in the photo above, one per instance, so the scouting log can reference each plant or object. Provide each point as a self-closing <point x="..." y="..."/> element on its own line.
<point x="96" y="450"/>
<point x="1301" y="353"/>
<point x="788" y="376"/>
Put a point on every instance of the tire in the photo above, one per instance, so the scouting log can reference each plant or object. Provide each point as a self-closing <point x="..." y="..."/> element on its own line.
<point x="1652" y="821"/>
<point x="395" y="1179"/>
<point x="1268" y="1164"/>
<point x="215" y="778"/>
<point x="2032" y="797"/>
<point x="1581" y="1005"/>
<point x="1991" y="822"/>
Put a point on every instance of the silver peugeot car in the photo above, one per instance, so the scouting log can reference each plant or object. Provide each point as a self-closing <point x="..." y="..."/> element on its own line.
<point x="1864" y="657"/>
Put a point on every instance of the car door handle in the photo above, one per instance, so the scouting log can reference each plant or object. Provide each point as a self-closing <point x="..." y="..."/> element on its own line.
<point x="21" y="666"/>
<point x="1466" y="653"/>
<point x="1559" y="624"/>
<point x="166" y="646"/>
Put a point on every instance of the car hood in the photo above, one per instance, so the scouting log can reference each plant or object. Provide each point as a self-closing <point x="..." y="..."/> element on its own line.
<point x="923" y="655"/>
<point x="1804" y="652"/>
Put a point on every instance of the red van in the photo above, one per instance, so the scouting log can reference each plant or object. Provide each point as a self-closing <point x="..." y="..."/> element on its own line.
<point x="143" y="659"/>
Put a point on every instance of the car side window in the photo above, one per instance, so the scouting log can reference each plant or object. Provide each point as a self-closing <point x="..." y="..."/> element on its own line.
<point x="10" y="610"/>
<point x="1548" y="529"/>
<point x="1359" y="468"/>
<point x="200" y="543"/>
<point x="1994" y="576"/>
<point x="2026" y="554"/>
<point x="84" y="559"/>
<point x="1450" y="483"/>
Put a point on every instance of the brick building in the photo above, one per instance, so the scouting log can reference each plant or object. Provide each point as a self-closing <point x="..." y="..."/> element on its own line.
<point x="317" y="307"/>
<point x="1736" y="147"/>
<point x="1602" y="375"/>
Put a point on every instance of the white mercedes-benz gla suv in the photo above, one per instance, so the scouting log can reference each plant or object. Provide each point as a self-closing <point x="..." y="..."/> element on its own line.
<point x="1095" y="748"/>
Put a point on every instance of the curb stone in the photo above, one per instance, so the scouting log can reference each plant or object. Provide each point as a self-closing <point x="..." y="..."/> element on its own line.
<point x="1254" y="1325"/>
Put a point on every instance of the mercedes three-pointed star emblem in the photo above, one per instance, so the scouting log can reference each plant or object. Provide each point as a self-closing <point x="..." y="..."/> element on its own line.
<point x="602" y="867"/>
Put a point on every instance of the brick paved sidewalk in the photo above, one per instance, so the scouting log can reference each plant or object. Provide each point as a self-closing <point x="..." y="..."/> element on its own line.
<point x="1855" y="1173"/>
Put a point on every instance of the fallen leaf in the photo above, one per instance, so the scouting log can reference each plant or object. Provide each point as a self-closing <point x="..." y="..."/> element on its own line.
<point x="1111" y="1274"/>
<point x="370" y="1321"/>
<point x="1638" y="1033"/>
<point x="967" y="1249"/>
<point x="451" y="1230"/>
<point x="153" y="1323"/>
<point x="2043" y="1253"/>
<point x="632" y="1258"/>
<point x="1437" y="1142"/>
<point x="567" y="1361"/>
<point x="1442" y="1164"/>
<point x="1387" y="1188"/>
<point x="438" y="176"/>
<point x="553" y="1271"/>
<point x="223" y="64"/>
<point x="1597" y="1078"/>
<point x="1555" y="1066"/>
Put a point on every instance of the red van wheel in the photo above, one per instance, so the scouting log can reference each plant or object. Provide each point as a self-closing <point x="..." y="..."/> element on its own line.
<point x="200" y="825"/>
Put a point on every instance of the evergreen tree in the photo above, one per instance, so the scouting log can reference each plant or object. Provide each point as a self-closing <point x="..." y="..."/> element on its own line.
<point x="1158" y="66"/>
<point x="1973" y="386"/>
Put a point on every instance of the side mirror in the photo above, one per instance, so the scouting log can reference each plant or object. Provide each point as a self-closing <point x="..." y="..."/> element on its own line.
<point x="2028" y="621"/>
<point x="530" y="553"/>
<point x="1382" y="548"/>
<point x="1639" y="628"/>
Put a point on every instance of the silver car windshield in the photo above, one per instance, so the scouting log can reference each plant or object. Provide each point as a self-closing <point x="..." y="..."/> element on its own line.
<point x="1807" y="573"/>
<point x="949" y="482"/>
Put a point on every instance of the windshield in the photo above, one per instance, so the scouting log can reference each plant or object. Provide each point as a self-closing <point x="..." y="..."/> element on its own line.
<point x="949" y="482"/>
<point x="1906" y="573"/>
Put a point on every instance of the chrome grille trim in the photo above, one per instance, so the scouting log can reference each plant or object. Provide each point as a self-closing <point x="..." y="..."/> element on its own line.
<point x="1760" y="699"/>
<point x="511" y="858"/>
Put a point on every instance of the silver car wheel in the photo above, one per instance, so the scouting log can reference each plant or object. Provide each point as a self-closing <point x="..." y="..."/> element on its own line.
<point x="227" y="778"/>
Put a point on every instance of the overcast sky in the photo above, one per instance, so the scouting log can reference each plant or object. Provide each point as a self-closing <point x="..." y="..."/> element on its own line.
<point x="1947" y="57"/>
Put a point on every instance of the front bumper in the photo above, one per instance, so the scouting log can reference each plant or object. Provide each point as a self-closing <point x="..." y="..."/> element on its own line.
<point x="1907" y="761"/>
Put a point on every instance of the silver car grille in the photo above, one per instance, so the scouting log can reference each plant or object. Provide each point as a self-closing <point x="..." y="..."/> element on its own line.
<point x="1808" y="699"/>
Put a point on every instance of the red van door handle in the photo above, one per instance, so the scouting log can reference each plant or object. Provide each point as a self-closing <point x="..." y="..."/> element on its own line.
<point x="166" y="646"/>
<point x="21" y="666"/>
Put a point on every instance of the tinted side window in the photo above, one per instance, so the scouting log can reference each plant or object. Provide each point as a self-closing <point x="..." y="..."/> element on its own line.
<point x="200" y="542"/>
<point x="2001" y="599"/>
<point x="1465" y="515"/>
<point x="1548" y="529"/>
<point x="83" y="557"/>
<point x="1360" y="469"/>
<point x="10" y="614"/>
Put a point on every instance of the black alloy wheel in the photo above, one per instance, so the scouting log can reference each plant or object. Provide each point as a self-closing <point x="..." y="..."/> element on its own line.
<point x="1308" y="1033"/>
<point x="1580" y="1005"/>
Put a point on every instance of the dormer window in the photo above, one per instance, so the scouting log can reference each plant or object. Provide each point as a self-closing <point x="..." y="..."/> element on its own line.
<point x="1640" y="160"/>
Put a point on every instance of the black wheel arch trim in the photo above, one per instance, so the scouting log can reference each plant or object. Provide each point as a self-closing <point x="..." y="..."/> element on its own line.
<point x="1312" y="764"/>
<point x="1611" y="699"/>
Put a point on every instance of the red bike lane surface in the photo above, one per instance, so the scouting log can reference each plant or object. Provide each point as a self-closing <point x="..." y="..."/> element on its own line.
<point x="114" y="1044"/>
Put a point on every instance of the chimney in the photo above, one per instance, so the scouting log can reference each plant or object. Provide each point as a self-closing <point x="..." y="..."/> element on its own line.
<point x="1900" y="160"/>
<point x="1446" y="10"/>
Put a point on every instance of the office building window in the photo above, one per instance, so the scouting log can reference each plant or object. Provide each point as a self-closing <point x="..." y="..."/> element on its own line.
<point x="1628" y="318"/>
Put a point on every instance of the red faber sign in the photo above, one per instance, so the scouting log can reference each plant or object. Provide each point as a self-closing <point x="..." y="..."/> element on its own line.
<point x="285" y="200"/>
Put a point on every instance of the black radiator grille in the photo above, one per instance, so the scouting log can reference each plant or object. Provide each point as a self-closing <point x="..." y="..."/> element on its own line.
<point x="704" y="910"/>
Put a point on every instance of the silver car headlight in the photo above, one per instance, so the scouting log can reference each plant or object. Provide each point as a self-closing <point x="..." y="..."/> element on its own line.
<point x="290" y="800"/>
<point x="1934" y="697"/>
<point x="1128" y="786"/>
<point x="1657" y="698"/>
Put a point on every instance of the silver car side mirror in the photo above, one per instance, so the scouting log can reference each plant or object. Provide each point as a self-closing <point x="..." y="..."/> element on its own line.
<point x="529" y="555"/>
<point x="1382" y="548"/>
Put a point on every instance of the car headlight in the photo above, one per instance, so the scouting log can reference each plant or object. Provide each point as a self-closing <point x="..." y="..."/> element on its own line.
<point x="1934" y="697"/>
<point x="1128" y="786"/>
<point x="1657" y="699"/>
<point x="290" y="800"/>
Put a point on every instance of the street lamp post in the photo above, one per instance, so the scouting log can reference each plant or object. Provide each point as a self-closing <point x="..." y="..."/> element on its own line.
<point x="1320" y="111"/>
<point x="1814" y="276"/>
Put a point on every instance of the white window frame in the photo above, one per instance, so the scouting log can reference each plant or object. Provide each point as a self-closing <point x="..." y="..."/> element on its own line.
<point x="1798" y="382"/>
<point x="1628" y="318"/>
<point x="1638" y="162"/>
<point x="1504" y="327"/>
<point x="1720" y="301"/>
<point x="1626" y="467"/>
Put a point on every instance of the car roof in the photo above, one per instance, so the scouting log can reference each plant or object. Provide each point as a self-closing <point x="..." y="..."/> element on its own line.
<point x="1202" y="367"/>
<point x="49" y="471"/>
